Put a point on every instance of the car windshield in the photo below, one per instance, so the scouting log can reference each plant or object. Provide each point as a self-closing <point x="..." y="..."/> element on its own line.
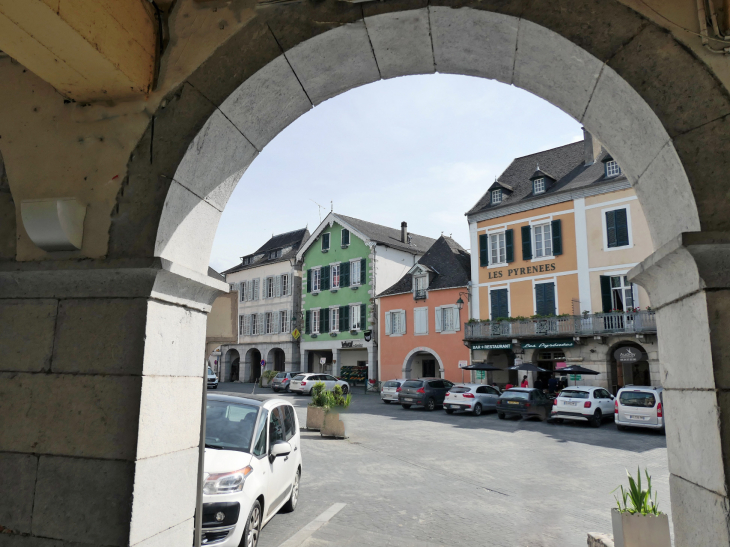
<point x="460" y="389"/>
<point x="637" y="398"/>
<point x="413" y="383"/>
<point x="509" y="394"/>
<point x="210" y="371"/>
<point x="281" y="375"/>
<point x="391" y="383"/>
<point x="574" y="394"/>
<point x="298" y="377"/>
<point x="229" y="425"/>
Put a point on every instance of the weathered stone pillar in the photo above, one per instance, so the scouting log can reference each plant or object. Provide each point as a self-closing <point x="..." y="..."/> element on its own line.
<point x="688" y="281"/>
<point x="100" y="394"/>
<point x="372" y="360"/>
<point x="336" y="362"/>
<point x="304" y="360"/>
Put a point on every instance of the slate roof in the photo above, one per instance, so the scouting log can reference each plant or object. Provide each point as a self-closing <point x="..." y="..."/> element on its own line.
<point x="288" y="242"/>
<point x="450" y="261"/>
<point x="389" y="236"/>
<point x="565" y="164"/>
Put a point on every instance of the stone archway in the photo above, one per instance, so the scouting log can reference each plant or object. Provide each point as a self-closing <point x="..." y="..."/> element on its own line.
<point x="425" y="369"/>
<point x="253" y="365"/>
<point x="636" y="373"/>
<point x="276" y="360"/>
<point x="232" y="366"/>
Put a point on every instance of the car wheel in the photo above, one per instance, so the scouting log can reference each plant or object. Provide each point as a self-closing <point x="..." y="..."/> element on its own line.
<point x="449" y="411"/>
<point x="430" y="404"/>
<point x="345" y="389"/>
<point x="386" y="401"/>
<point x="290" y="505"/>
<point x="500" y="415"/>
<point x="477" y="410"/>
<point x="253" y="527"/>
<point x="596" y="420"/>
<point x="406" y="406"/>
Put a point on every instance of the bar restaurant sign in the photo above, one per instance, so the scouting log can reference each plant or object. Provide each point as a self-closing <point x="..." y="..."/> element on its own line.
<point x="492" y="345"/>
<point x="548" y="344"/>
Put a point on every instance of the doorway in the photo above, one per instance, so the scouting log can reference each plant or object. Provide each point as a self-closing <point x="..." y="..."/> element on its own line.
<point x="255" y="363"/>
<point x="429" y="368"/>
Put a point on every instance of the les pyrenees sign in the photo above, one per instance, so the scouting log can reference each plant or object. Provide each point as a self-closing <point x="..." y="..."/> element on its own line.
<point x="514" y="272"/>
<point x="547" y="344"/>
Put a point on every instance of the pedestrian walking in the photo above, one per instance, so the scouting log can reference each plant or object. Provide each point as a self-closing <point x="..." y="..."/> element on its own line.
<point x="524" y="381"/>
<point x="552" y="385"/>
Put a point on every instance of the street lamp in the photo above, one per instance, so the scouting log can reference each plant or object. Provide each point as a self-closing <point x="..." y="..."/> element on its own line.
<point x="460" y="302"/>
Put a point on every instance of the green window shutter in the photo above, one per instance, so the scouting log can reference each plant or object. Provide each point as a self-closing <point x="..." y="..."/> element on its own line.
<point x="345" y="274"/>
<point x="499" y="303"/>
<point x="483" y="252"/>
<point x="556" y="229"/>
<point x="363" y="316"/>
<point x="526" y="243"/>
<point x="325" y="278"/>
<point x="606" y="299"/>
<point x="611" y="229"/>
<point x="309" y="280"/>
<point x="344" y="318"/>
<point x="326" y="312"/>
<point x="549" y="296"/>
<point x="495" y="304"/>
<point x="325" y="241"/>
<point x="622" y="227"/>
<point x="509" y="246"/>
<point x="363" y="271"/>
<point x="345" y="236"/>
<point x="540" y="299"/>
<point x="307" y="322"/>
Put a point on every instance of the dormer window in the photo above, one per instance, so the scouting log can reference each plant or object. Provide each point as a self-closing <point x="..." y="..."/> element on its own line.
<point x="247" y="261"/>
<point x="497" y="196"/>
<point x="274" y="254"/>
<point x="538" y="186"/>
<point x="612" y="169"/>
<point x="325" y="242"/>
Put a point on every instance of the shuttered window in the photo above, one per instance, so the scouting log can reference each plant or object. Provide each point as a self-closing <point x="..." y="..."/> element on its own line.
<point x="284" y="321"/>
<point x="344" y="318"/>
<point x="334" y="319"/>
<point x="483" y="250"/>
<point x="363" y="271"/>
<point x="345" y="237"/>
<point x="617" y="228"/>
<point x="325" y="241"/>
<point x="420" y="321"/>
<point x="316" y="281"/>
<point x="355" y="272"/>
<point x="543" y="240"/>
<point x="355" y="317"/>
<point x="314" y="321"/>
<point x="497" y="249"/>
<point x="325" y="275"/>
<point x="395" y="322"/>
<point x="345" y="274"/>
<point x="335" y="276"/>
<point x="526" y="242"/>
<point x="545" y="298"/>
<point x="500" y="306"/>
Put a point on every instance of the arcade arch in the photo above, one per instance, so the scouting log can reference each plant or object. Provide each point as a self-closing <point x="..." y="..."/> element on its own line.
<point x="232" y="366"/>
<point x="423" y="362"/>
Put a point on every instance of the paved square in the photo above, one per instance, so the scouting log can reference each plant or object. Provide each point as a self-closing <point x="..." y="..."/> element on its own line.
<point x="412" y="477"/>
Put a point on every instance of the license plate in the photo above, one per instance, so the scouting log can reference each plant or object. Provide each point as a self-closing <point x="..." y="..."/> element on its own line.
<point x="638" y="417"/>
<point x="513" y="402"/>
<point x="455" y="406"/>
<point x="407" y="399"/>
<point x="571" y="403"/>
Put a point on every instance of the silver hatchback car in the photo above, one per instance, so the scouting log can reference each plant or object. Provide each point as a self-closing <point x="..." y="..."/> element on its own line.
<point x="389" y="391"/>
<point x="474" y="398"/>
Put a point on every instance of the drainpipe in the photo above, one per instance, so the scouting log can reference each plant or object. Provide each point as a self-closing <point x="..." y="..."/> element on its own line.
<point x="198" y="538"/>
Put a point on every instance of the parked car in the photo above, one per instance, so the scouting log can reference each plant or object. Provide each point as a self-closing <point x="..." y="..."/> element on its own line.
<point x="302" y="383"/>
<point x="473" y="398"/>
<point x="639" y="406"/>
<point x="583" y="403"/>
<point x="525" y="402"/>
<point x="252" y="466"/>
<point x="212" y="379"/>
<point x="282" y="381"/>
<point x="390" y="389"/>
<point x="428" y="392"/>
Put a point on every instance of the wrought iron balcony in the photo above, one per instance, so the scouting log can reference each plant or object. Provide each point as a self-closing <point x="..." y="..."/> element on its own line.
<point x="570" y="325"/>
<point x="419" y="294"/>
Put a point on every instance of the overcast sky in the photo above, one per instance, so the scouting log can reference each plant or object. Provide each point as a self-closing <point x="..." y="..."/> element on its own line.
<point x="421" y="149"/>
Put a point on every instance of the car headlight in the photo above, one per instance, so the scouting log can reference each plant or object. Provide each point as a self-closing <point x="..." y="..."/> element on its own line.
<point x="225" y="483"/>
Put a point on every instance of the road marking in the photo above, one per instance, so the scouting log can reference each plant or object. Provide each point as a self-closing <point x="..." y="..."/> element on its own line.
<point x="305" y="533"/>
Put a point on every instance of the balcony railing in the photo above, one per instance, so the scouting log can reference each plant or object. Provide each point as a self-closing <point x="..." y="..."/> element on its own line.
<point x="582" y="325"/>
<point x="419" y="294"/>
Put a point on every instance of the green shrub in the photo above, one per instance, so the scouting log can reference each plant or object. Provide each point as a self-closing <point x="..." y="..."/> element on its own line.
<point x="339" y="399"/>
<point x="321" y="397"/>
<point x="635" y="500"/>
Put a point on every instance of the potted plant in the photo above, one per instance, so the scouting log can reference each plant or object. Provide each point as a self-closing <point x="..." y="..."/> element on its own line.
<point x="266" y="377"/>
<point x="333" y="426"/>
<point x="316" y="410"/>
<point x="637" y="521"/>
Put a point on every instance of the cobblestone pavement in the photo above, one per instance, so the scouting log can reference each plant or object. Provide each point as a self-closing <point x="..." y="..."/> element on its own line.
<point x="412" y="477"/>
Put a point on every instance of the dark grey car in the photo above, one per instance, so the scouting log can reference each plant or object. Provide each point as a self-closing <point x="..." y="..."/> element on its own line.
<point x="525" y="402"/>
<point x="427" y="392"/>
<point x="282" y="380"/>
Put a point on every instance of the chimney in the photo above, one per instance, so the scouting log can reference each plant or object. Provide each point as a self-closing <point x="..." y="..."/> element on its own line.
<point x="591" y="148"/>
<point x="404" y="232"/>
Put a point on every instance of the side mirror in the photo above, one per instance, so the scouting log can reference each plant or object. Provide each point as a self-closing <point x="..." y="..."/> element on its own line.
<point x="612" y="397"/>
<point x="279" y="448"/>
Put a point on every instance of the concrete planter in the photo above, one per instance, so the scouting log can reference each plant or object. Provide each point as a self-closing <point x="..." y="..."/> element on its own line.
<point x="315" y="417"/>
<point x="333" y="426"/>
<point x="265" y="382"/>
<point x="640" y="530"/>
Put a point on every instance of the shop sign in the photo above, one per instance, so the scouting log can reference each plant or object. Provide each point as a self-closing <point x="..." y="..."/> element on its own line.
<point x="463" y="364"/>
<point x="352" y="344"/>
<point x="481" y="374"/>
<point x="496" y="345"/>
<point x="629" y="355"/>
<point x="547" y="344"/>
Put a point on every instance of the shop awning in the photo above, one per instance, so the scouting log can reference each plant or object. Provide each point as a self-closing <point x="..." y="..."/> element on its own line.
<point x="482" y="366"/>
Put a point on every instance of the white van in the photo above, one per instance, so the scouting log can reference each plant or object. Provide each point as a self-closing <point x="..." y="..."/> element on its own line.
<point x="639" y="406"/>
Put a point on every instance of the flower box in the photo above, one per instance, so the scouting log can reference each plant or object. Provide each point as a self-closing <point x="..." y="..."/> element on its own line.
<point x="333" y="426"/>
<point x="315" y="417"/>
<point x="636" y="530"/>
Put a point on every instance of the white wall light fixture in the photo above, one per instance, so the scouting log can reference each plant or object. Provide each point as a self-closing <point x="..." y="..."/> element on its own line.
<point x="54" y="224"/>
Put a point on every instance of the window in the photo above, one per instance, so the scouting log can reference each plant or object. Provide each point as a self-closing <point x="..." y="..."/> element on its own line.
<point x="325" y="242"/>
<point x="284" y="321"/>
<point x="315" y="321"/>
<point x="316" y="280"/>
<point x="420" y="321"/>
<point x="285" y="289"/>
<point x="269" y="287"/>
<point x="545" y="298"/>
<point x="246" y="261"/>
<point x="242" y="290"/>
<point x="241" y="322"/>
<point x="538" y="186"/>
<point x="345" y="237"/>
<point x="642" y="399"/>
<point x="354" y="314"/>
<point x="397" y="320"/>
<point x="259" y="447"/>
<point x="275" y="254"/>
<point x="496" y="196"/>
<point x="277" y="431"/>
<point x="617" y="228"/>
<point x="230" y="425"/>
<point x="335" y="276"/>
<point x="447" y="319"/>
<point x="290" y="424"/>
<point x="355" y="272"/>
<point x="543" y="240"/>
<point x="334" y="319"/>
<point x="612" y="168"/>
<point x="498" y="248"/>
<point x="269" y="323"/>
<point x="499" y="303"/>
<point x="622" y="293"/>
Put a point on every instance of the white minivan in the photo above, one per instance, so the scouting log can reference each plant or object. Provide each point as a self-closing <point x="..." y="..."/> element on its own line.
<point x="639" y="406"/>
<point x="252" y="467"/>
